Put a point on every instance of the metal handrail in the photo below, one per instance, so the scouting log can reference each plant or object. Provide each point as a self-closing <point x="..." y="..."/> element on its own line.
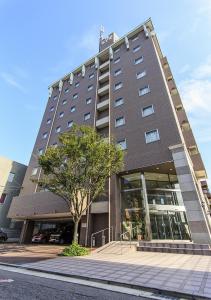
<point x="130" y="232"/>
<point x="103" y="235"/>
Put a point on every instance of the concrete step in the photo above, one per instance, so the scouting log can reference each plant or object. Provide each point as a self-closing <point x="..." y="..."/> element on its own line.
<point x="175" y="245"/>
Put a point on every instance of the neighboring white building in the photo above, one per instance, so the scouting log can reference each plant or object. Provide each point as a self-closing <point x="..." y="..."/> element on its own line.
<point x="11" y="178"/>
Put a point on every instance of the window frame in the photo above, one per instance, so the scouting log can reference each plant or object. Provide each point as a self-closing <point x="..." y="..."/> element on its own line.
<point x="144" y="88"/>
<point x="143" y="73"/>
<point x="115" y="101"/>
<point x="87" y="114"/>
<point x="116" y="88"/>
<point x="136" y="48"/>
<point x="58" y="129"/>
<point x="144" y="108"/>
<point x="138" y="60"/>
<point x="153" y="130"/>
<point x="124" y="141"/>
<point x="116" y="120"/>
<point x="72" y="109"/>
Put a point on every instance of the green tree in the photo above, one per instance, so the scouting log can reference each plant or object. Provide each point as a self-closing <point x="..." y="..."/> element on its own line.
<point x="78" y="168"/>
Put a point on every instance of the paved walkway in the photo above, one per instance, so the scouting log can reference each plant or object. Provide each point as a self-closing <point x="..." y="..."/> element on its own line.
<point x="190" y="274"/>
<point x="20" y="254"/>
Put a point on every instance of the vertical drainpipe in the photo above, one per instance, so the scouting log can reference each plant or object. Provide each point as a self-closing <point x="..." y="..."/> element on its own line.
<point x="146" y="208"/>
<point x="49" y="135"/>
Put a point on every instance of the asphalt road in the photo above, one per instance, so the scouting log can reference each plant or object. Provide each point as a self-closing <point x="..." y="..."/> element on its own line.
<point x="28" y="287"/>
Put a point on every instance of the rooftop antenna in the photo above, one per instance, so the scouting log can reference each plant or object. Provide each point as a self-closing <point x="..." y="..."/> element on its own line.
<point x="102" y="30"/>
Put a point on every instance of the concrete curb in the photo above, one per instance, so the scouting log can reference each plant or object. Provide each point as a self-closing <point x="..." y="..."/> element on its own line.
<point x="155" y="291"/>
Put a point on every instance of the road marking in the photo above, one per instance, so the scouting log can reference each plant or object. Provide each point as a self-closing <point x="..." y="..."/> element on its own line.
<point x="6" y="280"/>
<point x="94" y="284"/>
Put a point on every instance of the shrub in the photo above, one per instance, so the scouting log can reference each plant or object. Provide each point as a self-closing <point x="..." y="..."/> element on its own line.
<point x="74" y="250"/>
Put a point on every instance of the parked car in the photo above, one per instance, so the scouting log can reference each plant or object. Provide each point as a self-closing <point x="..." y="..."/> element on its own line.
<point x="62" y="236"/>
<point x="41" y="237"/>
<point x="3" y="236"/>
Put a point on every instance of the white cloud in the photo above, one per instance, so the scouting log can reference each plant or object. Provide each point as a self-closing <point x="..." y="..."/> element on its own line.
<point x="204" y="70"/>
<point x="196" y="96"/>
<point x="9" y="79"/>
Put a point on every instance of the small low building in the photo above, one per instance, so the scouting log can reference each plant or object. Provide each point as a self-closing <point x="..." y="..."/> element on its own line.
<point x="11" y="178"/>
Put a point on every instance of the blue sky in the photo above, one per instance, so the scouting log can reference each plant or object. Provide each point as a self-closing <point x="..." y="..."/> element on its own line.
<point x="42" y="40"/>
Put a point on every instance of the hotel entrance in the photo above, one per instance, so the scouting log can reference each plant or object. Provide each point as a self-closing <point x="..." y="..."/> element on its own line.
<point x="153" y="200"/>
<point x="169" y="225"/>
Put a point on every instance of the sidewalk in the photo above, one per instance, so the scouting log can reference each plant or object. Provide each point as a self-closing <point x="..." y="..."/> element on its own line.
<point x="21" y="254"/>
<point x="186" y="274"/>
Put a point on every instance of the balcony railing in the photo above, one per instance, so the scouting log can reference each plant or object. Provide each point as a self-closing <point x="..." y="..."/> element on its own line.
<point x="103" y="90"/>
<point x="103" y="122"/>
<point x="103" y="105"/>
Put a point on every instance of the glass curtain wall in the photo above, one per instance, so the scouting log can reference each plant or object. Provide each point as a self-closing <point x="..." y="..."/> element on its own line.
<point x="166" y="209"/>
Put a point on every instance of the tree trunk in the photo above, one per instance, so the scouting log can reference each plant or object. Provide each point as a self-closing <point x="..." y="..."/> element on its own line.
<point x="75" y="234"/>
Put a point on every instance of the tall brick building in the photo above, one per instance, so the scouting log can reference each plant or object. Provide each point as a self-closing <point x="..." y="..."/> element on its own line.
<point x="125" y="91"/>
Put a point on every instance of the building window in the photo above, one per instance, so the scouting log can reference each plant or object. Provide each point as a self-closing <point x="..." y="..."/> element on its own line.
<point x="40" y="151"/>
<point x="147" y="111"/>
<point x="90" y="87"/>
<point x="117" y="72"/>
<point x="2" y="198"/>
<point x="69" y="124"/>
<point x="152" y="136"/>
<point x="87" y="116"/>
<point x="78" y="74"/>
<point x="117" y="50"/>
<point x="88" y="101"/>
<point x="75" y="96"/>
<point x="34" y="171"/>
<point x="135" y="38"/>
<point x="72" y="109"/>
<point x="117" y="60"/>
<point x="91" y="76"/>
<point x="119" y="121"/>
<point x="136" y="49"/>
<point x="66" y="90"/>
<point x="11" y="177"/>
<point x="92" y="65"/>
<point x="55" y="97"/>
<point x="64" y="101"/>
<point x="144" y="91"/>
<point x="122" y="144"/>
<point x="77" y="84"/>
<point x="48" y="121"/>
<point x="141" y="74"/>
<point x="52" y="108"/>
<point x="44" y="136"/>
<point x="118" y="102"/>
<point x="58" y="129"/>
<point x="138" y="60"/>
<point x="118" y="86"/>
<point x="61" y="115"/>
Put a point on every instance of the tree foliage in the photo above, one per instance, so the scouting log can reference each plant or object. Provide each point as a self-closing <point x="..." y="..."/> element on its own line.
<point x="78" y="168"/>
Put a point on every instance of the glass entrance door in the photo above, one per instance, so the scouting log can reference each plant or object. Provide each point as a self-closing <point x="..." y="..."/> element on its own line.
<point x="169" y="225"/>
